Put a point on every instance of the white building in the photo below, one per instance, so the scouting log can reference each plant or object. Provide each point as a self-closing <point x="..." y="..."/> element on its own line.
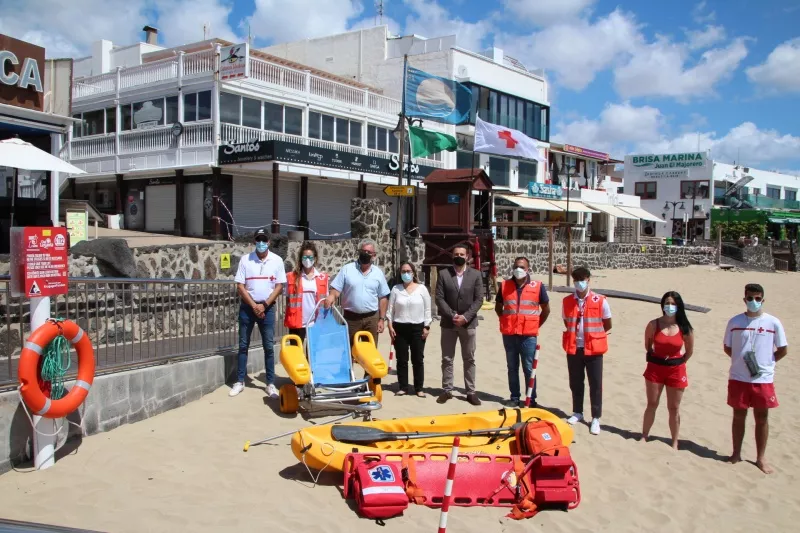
<point x="174" y="147"/>
<point x="504" y="91"/>
<point x="678" y="188"/>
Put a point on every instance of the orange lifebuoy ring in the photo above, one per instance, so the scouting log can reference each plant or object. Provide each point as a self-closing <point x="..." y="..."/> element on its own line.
<point x="28" y="371"/>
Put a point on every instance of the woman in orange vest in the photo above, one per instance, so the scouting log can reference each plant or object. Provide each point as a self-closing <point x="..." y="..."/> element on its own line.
<point x="522" y="306"/>
<point x="587" y="317"/>
<point x="305" y="287"/>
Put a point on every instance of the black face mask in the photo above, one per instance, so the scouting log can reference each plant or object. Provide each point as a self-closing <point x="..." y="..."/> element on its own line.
<point x="364" y="258"/>
<point x="459" y="261"/>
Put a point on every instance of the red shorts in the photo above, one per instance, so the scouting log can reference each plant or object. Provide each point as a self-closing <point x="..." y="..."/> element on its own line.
<point x="743" y="395"/>
<point x="671" y="376"/>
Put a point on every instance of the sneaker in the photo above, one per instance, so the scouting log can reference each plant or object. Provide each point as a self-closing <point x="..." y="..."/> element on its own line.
<point x="512" y="403"/>
<point x="575" y="418"/>
<point x="236" y="389"/>
<point x="594" y="429"/>
<point x="272" y="392"/>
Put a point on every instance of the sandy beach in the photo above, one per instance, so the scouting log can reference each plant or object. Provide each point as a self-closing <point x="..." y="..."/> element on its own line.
<point x="185" y="470"/>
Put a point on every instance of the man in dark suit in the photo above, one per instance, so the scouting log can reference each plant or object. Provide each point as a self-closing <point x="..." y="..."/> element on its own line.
<point x="459" y="295"/>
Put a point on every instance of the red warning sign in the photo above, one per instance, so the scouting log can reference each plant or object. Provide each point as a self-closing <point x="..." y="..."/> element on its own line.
<point x="41" y="258"/>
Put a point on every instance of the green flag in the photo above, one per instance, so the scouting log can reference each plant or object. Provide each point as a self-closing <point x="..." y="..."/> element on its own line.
<point x="425" y="143"/>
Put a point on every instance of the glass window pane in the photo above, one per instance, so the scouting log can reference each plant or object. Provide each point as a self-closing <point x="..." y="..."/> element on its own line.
<point x="127" y="117"/>
<point x="394" y="143"/>
<point x="251" y="113"/>
<point x="273" y="117"/>
<point x="111" y="120"/>
<point x="503" y="110"/>
<point x="294" y="121"/>
<point x="372" y="135"/>
<point x="520" y="116"/>
<point x="512" y="112"/>
<point x="147" y="114"/>
<point x="498" y="171"/>
<point x="229" y="108"/>
<point x="464" y="159"/>
<point x="476" y="96"/>
<point x="355" y="133"/>
<point x="342" y="131"/>
<point x="314" y="120"/>
<point x="382" y="139"/>
<point x="527" y="174"/>
<point x="76" y="127"/>
<point x="190" y="107"/>
<point x="493" y="107"/>
<point x="327" y="128"/>
<point x="545" y="129"/>
<point x="483" y="104"/>
<point x="204" y="105"/>
<point x="94" y="122"/>
<point x="172" y="109"/>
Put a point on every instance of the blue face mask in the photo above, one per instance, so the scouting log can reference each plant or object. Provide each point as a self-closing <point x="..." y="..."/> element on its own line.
<point x="670" y="309"/>
<point x="754" y="306"/>
<point x="261" y="247"/>
<point x="406" y="277"/>
<point x="581" y="286"/>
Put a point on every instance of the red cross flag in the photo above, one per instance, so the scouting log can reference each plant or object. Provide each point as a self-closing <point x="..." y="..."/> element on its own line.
<point x="500" y="140"/>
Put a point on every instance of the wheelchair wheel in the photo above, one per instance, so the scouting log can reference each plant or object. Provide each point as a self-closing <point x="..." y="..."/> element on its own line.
<point x="376" y="389"/>
<point x="289" y="400"/>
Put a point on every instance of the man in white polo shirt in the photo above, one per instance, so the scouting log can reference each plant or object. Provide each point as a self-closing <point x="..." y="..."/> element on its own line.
<point x="259" y="281"/>
<point x="754" y="341"/>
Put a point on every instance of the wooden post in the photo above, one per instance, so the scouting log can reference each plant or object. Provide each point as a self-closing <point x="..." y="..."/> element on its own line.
<point x="719" y="244"/>
<point x="434" y="277"/>
<point x="276" y="174"/>
<point x="550" y="265"/>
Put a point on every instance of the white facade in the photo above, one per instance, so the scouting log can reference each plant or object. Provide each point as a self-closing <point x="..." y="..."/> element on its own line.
<point x="767" y="189"/>
<point x="374" y="57"/>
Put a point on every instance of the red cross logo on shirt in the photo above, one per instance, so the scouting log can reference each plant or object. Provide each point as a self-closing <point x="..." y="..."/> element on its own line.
<point x="761" y="330"/>
<point x="271" y="278"/>
<point x="511" y="142"/>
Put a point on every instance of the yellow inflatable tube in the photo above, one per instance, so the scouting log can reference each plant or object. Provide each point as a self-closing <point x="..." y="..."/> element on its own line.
<point x="294" y="360"/>
<point x="366" y="354"/>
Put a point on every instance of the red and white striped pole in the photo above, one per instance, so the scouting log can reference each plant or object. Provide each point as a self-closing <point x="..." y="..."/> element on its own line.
<point x="532" y="381"/>
<point x="448" y="487"/>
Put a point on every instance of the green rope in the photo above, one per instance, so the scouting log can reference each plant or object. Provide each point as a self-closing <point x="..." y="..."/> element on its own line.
<point x="55" y="365"/>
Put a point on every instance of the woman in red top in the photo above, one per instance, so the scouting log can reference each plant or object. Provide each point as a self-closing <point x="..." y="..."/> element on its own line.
<point x="669" y="341"/>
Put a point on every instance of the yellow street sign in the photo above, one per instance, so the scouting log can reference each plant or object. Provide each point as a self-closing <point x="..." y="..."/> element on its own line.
<point x="225" y="261"/>
<point x="398" y="190"/>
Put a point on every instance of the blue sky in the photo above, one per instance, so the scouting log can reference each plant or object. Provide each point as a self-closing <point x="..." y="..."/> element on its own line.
<point x="626" y="76"/>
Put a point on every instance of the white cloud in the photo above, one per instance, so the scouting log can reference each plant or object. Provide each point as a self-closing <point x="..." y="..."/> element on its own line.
<point x="577" y="51"/>
<point x="546" y="12"/>
<point x="781" y="71"/>
<point x="660" y="69"/>
<point x="701" y="14"/>
<point x="281" y="21"/>
<point x="181" y="21"/>
<point x="430" y="19"/>
<point x="711" y="35"/>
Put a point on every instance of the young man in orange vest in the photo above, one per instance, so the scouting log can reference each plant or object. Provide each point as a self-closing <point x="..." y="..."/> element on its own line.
<point x="587" y="317"/>
<point x="522" y="306"/>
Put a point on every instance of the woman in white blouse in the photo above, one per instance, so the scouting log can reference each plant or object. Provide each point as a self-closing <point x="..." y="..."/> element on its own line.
<point x="409" y="318"/>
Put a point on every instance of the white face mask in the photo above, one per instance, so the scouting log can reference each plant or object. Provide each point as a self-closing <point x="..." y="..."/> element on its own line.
<point x="520" y="273"/>
<point x="670" y="309"/>
<point x="581" y="286"/>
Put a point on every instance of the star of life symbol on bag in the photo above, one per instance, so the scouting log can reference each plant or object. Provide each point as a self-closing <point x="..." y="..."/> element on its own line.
<point x="381" y="474"/>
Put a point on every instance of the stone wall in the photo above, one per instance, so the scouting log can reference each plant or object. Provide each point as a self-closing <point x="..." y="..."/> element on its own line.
<point x="122" y="398"/>
<point x="759" y="257"/>
<point x="600" y="255"/>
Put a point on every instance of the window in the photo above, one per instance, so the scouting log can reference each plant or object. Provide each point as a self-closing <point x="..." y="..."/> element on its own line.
<point x="694" y="189"/>
<point x="526" y="173"/>
<point x="314" y="124"/>
<point x="327" y="127"/>
<point x="156" y="112"/>
<point x="230" y="108"/>
<point x="646" y="190"/>
<point x="148" y="114"/>
<point x="791" y="195"/>
<point x="283" y="119"/>
<point x="498" y="171"/>
<point x="382" y="139"/>
<point x="355" y="133"/>
<point x="251" y="113"/>
<point x="464" y="159"/>
<point x="197" y="106"/>
<point x="111" y="120"/>
<point x="756" y="191"/>
<point x="273" y="117"/>
<point x="335" y="129"/>
<point x="172" y="109"/>
<point x="774" y="192"/>
<point x="293" y="120"/>
<point x="505" y="110"/>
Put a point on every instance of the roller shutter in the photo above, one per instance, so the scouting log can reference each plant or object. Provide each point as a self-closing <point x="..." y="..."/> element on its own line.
<point x="159" y="213"/>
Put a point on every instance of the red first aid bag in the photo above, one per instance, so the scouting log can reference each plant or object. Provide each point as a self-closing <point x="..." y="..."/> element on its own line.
<point x="378" y="488"/>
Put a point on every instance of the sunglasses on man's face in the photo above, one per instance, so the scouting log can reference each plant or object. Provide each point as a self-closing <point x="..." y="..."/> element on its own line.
<point x="756" y="298"/>
<point x="261" y="239"/>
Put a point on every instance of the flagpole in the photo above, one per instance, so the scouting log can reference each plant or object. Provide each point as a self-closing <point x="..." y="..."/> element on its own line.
<point x="399" y="225"/>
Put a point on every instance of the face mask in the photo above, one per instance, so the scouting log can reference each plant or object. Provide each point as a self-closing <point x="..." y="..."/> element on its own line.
<point x="670" y="309"/>
<point x="754" y="306"/>
<point x="261" y="247"/>
<point x="520" y="273"/>
<point x="308" y="262"/>
<point x="459" y="261"/>
<point x="364" y="258"/>
<point x="406" y="277"/>
<point x="581" y="286"/>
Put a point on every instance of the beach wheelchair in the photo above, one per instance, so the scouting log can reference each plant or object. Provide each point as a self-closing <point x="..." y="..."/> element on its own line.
<point x="321" y="367"/>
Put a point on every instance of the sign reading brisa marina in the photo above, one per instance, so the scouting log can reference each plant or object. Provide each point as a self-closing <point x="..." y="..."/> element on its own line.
<point x="668" y="161"/>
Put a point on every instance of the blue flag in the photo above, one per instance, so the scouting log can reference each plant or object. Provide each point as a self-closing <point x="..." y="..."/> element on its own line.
<point x="436" y="98"/>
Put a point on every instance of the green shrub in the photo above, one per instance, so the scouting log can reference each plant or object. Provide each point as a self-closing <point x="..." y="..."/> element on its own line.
<point x="731" y="231"/>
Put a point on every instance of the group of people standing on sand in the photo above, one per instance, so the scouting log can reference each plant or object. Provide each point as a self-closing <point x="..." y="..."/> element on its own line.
<point x="754" y="340"/>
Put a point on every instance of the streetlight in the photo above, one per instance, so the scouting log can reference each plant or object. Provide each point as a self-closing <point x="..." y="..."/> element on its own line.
<point x="399" y="133"/>
<point x="674" y="205"/>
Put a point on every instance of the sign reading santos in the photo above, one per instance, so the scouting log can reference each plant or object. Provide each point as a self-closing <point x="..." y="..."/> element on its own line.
<point x="668" y="161"/>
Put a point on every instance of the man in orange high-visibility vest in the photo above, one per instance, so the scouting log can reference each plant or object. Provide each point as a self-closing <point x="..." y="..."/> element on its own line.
<point x="523" y="307"/>
<point x="587" y="317"/>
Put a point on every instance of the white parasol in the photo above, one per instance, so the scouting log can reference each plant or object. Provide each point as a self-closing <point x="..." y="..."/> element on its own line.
<point x="16" y="153"/>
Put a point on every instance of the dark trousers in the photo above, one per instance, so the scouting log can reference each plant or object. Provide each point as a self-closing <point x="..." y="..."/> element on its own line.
<point x="361" y="322"/>
<point x="409" y="336"/>
<point x="577" y="364"/>
<point x="300" y="332"/>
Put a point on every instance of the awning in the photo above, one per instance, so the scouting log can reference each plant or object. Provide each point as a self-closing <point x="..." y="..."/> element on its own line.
<point x="612" y="210"/>
<point x="775" y="220"/>
<point x="641" y="213"/>
<point x="575" y="206"/>
<point x="526" y="202"/>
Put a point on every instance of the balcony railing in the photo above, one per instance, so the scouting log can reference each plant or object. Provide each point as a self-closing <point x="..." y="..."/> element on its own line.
<point x="757" y="202"/>
<point x="204" y="63"/>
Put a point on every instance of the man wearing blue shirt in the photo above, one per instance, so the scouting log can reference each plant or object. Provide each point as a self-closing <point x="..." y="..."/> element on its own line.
<point x="364" y="293"/>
